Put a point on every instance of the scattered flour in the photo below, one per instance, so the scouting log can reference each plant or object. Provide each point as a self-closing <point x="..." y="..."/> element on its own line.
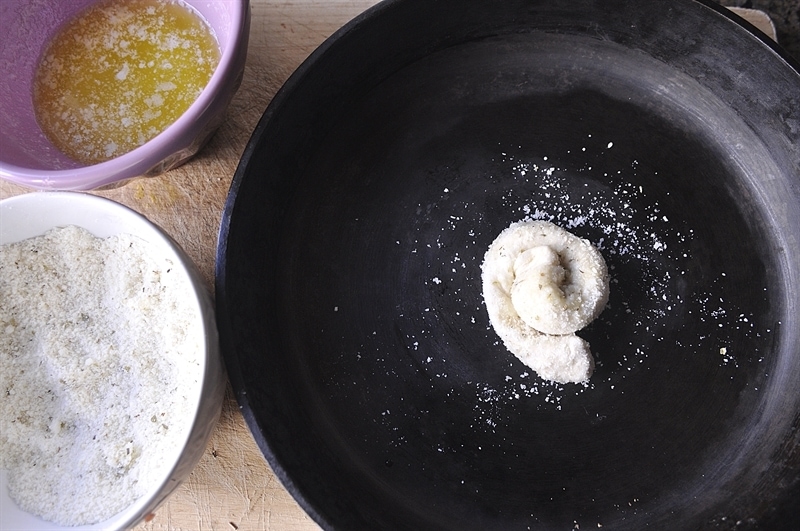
<point x="626" y="222"/>
<point x="98" y="366"/>
<point x="621" y="212"/>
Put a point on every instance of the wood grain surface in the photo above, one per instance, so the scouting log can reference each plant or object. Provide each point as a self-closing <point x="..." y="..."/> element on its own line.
<point x="232" y="488"/>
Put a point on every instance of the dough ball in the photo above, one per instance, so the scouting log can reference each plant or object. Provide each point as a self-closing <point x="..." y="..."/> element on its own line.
<point x="561" y="359"/>
<point x="540" y="285"/>
<point x="561" y="284"/>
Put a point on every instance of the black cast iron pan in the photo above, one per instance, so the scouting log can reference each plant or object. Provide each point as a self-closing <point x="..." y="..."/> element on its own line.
<point x="348" y="277"/>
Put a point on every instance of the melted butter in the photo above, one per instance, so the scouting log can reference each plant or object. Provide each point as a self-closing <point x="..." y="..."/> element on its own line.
<point x="120" y="73"/>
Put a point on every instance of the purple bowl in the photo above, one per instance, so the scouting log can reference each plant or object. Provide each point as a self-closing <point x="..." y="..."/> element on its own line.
<point x="28" y="158"/>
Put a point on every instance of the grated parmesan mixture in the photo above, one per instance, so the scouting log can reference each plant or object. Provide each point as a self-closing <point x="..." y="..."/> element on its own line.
<point x="98" y="372"/>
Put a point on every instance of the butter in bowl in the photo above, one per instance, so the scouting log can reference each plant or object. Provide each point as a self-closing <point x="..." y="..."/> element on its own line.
<point x="96" y="92"/>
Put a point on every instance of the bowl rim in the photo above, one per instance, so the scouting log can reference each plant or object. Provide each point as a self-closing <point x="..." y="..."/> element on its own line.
<point x="87" y="206"/>
<point x="141" y="159"/>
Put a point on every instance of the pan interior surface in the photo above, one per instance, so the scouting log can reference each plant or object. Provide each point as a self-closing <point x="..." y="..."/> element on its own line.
<point x="350" y="286"/>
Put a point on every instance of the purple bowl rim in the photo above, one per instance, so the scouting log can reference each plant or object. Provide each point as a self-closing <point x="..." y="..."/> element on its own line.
<point x="137" y="161"/>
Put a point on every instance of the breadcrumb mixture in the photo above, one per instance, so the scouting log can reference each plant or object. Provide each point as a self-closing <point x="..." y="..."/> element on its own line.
<point x="98" y="372"/>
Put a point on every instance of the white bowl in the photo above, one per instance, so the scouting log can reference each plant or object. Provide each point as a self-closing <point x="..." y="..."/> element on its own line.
<point x="33" y="214"/>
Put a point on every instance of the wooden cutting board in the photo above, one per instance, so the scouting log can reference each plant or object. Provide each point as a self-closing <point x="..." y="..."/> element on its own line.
<point x="232" y="487"/>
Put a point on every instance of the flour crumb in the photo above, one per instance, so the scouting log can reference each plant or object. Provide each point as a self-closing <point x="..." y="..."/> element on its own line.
<point x="98" y="370"/>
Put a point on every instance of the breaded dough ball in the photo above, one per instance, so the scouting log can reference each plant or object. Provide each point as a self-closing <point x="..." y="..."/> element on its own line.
<point x="541" y="284"/>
